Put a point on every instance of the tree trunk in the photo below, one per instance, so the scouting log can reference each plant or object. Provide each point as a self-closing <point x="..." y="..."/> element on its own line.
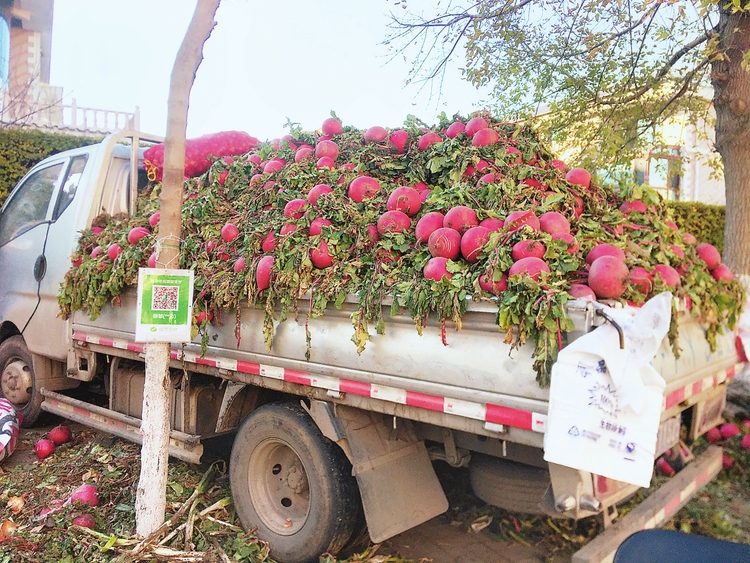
<point x="150" y="504"/>
<point x="732" y="102"/>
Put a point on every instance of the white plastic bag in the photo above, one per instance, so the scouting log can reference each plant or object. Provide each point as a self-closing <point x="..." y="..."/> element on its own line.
<point x="605" y="402"/>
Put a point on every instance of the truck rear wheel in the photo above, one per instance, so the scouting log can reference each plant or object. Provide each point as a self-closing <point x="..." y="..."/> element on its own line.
<point x="292" y="484"/>
<point x="17" y="381"/>
<point x="508" y="484"/>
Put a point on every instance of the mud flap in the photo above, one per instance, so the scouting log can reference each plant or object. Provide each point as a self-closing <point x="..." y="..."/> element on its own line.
<point x="397" y="482"/>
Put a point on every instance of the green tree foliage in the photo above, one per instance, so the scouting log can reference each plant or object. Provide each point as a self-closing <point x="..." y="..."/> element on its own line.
<point x="20" y="149"/>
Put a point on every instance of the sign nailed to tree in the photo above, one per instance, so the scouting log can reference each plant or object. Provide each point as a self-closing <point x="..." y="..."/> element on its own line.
<point x="165" y="303"/>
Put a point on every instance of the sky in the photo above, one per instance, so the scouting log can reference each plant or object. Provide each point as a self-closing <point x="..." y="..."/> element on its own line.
<point x="265" y="63"/>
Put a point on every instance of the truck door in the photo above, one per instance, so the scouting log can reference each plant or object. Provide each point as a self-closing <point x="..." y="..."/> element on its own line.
<point x="36" y="239"/>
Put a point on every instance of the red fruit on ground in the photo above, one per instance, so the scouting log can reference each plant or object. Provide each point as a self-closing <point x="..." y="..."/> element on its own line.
<point x="531" y="266"/>
<point x="605" y="249"/>
<point x="607" y="276"/>
<point x="302" y="154"/>
<point x="331" y="126"/>
<point x="363" y="187"/>
<point x="455" y="129"/>
<point x="472" y="242"/>
<point x="428" y="224"/>
<point x="488" y="284"/>
<point x="84" y="521"/>
<point x="273" y="166"/>
<point x="475" y="124"/>
<point x="393" y="222"/>
<point x="325" y="162"/>
<point x="44" y="448"/>
<point x="581" y="291"/>
<point x="708" y="253"/>
<point x="269" y="243"/>
<point x="375" y="134"/>
<point x="579" y="177"/>
<point x="722" y="272"/>
<point x="518" y="219"/>
<point x="60" y="435"/>
<point x="427" y="140"/>
<point x="317" y="191"/>
<point x="239" y="265"/>
<point x="263" y="272"/>
<point x="229" y="232"/>
<point x="436" y="269"/>
<point x="316" y="227"/>
<point x="85" y="494"/>
<point x="553" y="222"/>
<point x="460" y="218"/>
<point x="668" y="274"/>
<point x="295" y="208"/>
<point x="526" y="248"/>
<point x="485" y="138"/>
<point x="399" y="139"/>
<point x="445" y="243"/>
<point x="405" y="199"/>
<point x="320" y="257"/>
<point x="326" y="148"/>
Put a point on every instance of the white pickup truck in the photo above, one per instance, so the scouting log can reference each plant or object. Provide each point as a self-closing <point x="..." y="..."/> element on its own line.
<point x="333" y="445"/>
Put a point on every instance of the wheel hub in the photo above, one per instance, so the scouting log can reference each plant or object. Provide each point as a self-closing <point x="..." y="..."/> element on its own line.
<point x="296" y="479"/>
<point x="17" y="382"/>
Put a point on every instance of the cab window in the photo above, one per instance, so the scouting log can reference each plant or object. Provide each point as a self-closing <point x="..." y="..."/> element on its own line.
<point x="28" y="206"/>
<point x="70" y="184"/>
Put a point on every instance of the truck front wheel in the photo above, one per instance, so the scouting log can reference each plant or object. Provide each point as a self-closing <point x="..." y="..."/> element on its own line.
<point x="17" y="382"/>
<point x="292" y="484"/>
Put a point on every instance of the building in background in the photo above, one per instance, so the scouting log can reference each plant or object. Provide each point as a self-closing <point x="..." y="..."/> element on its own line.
<point x="26" y="96"/>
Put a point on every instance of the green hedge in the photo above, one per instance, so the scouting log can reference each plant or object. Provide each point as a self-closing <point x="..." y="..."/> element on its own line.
<point x="20" y="149"/>
<point x="705" y="222"/>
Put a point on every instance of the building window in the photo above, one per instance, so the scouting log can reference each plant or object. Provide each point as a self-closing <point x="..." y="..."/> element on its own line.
<point x="662" y="170"/>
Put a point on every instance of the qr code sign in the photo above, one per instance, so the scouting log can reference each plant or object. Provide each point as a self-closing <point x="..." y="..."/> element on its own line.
<point x="165" y="297"/>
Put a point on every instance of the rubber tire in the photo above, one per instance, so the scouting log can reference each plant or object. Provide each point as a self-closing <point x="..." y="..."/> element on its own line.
<point x="333" y="494"/>
<point x="13" y="349"/>
<point x="510" y="485"/>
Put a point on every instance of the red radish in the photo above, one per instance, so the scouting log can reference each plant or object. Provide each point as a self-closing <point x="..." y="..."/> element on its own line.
<point x="363" y="187"/>
<point x="531" y="266"/>
<point x="607" y="277"/>
<point x="331" y="126"/>
<point x="59" y="435"/>
<point x="445" y="242"/>
<point x="372" y="234"/>
<point x="553" y="222"/>
<point x="687" y="238"/>
<point x="475" y="124"/>
<point x="745" y="442"/>
<point x="77" y="262"/>
<point x="487" y="178"/>
<point x="428" y="224"/>
<point x="437" y="269"/>
<point x="526" y="248"/>
<point x="137" y="233"/>
<point x="534" y="183"/>
<point x="302" y="154"/>
<point x="287" y="229"/>
<point x="210" y="246"/>
<point x="420" y="187"/>
<point x="726" y="461"/>
<point x="256" y="179"/>
<point x="579" y="177"/>
<point x="518" y="219"/>
<point x="44" y="448"/>
<point x="349" y="166"/>
<point x="404" y="199"/>
<point x="642" y="279"/>
<point x="729" y="430"/>
<point x="114" y="251"/>
<point x="708" y="253"/>
<point x="722" y="272"/>
<point x="581" y="291"/>
<point x="223" y="177"/>
<point x="424" y="194"/>
<point x="239" y="265"/>
<point x="714" y="435"/>
<point x="568" y="239"/>
<point x="326" y="148"/>
<point x="273" y="166"/>
<point x="460" y="218"/>
<point x="473" y="241"/>
<point x="677" y="250"/>
<point x="605" y="249"/>
<point x="269" y="243"/>
<point x="85" y="494"/>
<point x="96" y="251"/>
<point x="488" y="284"/>
<point x="454" y="129"/>
<point x="153" y="220"/>
<point x="399" y="139"/>
<point x="578" y="209"/>
<point x="325" y="162"/>
<point x="515" y="156"/>
<point x="485" y="138"/>
<point x="672" y="225"/>
<point x="294" y="209"/>
<point x="558" y="164"/>
<point x="469" y="172"/>
<point x="84" y="521"/>
<point x="229" y="232"/>
<point x="631" y="206"/>
<point x="96" y="230"/>
<point x="151" y="263"/>
<point x="427" y="140"/>
<point x="492" y="223"/>
<point x="393" y="222"/>
<point x="375" y="134"/>
<point x="316" y="227"/>
<point x="263" y="272"/>
<point x="254" y="158"/>
<point x="320" y="256"/>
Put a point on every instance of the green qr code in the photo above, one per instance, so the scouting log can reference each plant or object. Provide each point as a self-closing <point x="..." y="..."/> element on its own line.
<point x="165" y="298"/>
